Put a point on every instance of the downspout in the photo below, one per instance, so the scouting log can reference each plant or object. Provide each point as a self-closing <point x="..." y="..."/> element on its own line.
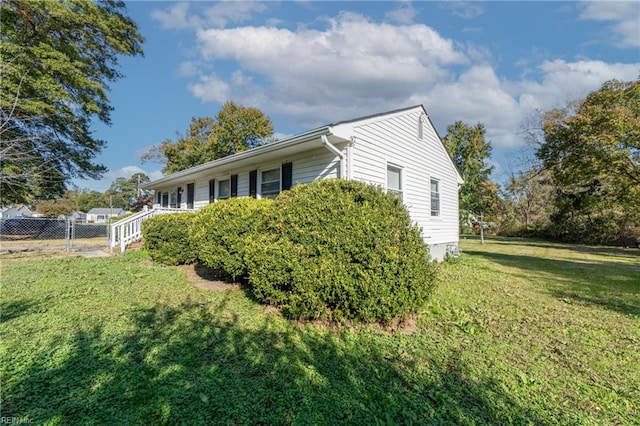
<point x="336" y="151"/>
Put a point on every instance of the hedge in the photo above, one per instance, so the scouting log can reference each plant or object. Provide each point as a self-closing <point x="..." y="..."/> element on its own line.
<point x="339" y="250"/>
<point x="219" y="233"/>
<point x="166" y="238"/>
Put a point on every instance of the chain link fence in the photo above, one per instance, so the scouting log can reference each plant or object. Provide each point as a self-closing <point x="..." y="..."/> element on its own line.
<point x="31" y="233"/>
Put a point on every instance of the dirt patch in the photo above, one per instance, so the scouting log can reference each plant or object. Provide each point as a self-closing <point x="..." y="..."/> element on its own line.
<point x="136" y="245"/>
<point x="207" y="279"/>
<point x="406" y="326"/>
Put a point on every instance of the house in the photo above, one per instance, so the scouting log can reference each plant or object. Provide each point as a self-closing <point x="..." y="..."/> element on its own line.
<point x="102" y="215"/>
<point x="78" y="216"/>
<point x="398" y="150"/>
<point x="19" y="210"/>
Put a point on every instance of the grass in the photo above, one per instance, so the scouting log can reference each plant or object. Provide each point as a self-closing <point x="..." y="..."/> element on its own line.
<point x="518" y="332"/>
<point x="47" y="244"/>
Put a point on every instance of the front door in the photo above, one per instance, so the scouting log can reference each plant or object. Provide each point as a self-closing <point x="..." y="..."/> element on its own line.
<point x="191" y="192"/>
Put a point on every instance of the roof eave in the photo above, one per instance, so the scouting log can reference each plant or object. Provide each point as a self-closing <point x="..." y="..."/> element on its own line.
<point x="260" y="150"/>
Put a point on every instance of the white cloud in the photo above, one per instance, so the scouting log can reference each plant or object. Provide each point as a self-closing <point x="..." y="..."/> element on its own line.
<point x="321" y="75"/>
<point x="404" y="14"/>
<point x="210" y="88"/>
<point x="567" y="81"/>
<point x="125" y="172"/>
<point x="479" y="95"/>
<point x="624" y="18"/>
<point x="189" y="69"/>
<point x="219" y="15"/>
<point x="176" y="17"/>
<point x="464" y="9"/>
<point x="316" y="72"/>
<point x="225" y="12"/>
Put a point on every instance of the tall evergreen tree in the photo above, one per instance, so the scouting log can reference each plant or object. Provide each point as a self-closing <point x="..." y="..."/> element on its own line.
<point x="58" y="58"/>
<point x="470" y="152"/>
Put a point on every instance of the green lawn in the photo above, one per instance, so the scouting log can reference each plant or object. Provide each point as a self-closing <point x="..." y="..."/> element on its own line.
<point x="518" y="332"/>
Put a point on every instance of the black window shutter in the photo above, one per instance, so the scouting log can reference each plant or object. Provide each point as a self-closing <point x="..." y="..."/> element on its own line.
<point x="159" y="198"/>
<point x="212" y="190"/>
<point x="253" y="183"/>
<point x="191" y="192"/>
<point x="179" y="196"/>
<point x="287" y="176"/>
<point x="234" y="185"/>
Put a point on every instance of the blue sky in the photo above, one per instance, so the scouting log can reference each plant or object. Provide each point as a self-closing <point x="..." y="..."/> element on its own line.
<point x="305" y="64"/>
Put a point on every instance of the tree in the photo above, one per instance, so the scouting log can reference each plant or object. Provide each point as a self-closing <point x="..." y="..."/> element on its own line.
<point x="58" y="59"/>
<point x="592" y="151"/>
<point x="128" y="194"/>
<point x="528" y="199"/>
<point x="129" y="189"/>
<point x="470" y="151"/>
<point x="235" y="129"/>
<point x="114" y="199"/>
<point x="87" y="200"/>
<point x="55" y="208"/>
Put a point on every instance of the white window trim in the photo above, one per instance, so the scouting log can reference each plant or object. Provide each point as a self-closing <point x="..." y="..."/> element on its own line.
<point x="439" y="215"/>
<point x="259" y="179"/>
<point x="402" y="177"/>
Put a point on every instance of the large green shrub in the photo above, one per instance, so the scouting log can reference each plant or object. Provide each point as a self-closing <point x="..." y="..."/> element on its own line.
<point x="340" y="250"/>
<point x="166" y="238"/>
<point x="219" y="232"/>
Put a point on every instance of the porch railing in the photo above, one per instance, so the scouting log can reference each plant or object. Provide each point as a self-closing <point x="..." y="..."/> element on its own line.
<point x="128" y="230"/>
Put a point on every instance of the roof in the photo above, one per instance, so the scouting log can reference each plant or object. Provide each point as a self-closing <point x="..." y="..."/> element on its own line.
<point x="380" y="114"/>
<point x="98" y="210"/>
<point x="298" y="143"/>
<point x="263" y="150"/>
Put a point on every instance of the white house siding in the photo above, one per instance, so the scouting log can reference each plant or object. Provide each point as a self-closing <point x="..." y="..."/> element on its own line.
<point x="395" y="140"/>
<point x="368" y="145"/>
<point x="307" y="167"/>
<point x="319" y="164"/>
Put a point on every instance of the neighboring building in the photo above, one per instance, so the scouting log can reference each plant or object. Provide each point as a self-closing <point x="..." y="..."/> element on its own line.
<point x="78" y="216"/>
<point x="398" y="150"/>
<point x="19" y="210"/>
<point x="101" y="215"/>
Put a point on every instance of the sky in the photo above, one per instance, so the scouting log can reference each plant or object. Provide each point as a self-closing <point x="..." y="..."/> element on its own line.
<point x="305" y="64"/>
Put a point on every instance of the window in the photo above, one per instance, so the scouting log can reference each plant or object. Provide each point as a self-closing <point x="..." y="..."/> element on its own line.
<point x="165" y="199"/>
<point x="394" y="180"/>
<point x="224" y="189"/>
<point x="435" y="197"/>
<point x="270" y="183"/>
<point x="173" y="199"/>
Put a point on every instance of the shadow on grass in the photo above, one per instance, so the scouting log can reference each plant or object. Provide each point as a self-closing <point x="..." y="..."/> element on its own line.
<point x="14" y="309"/>
<point x="611" y="251"/>
<point x="609" y="284"/>
<point x="193" y="365"/>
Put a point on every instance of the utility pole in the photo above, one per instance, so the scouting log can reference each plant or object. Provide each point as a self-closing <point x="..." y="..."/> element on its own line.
<point x="481" y="229"/>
